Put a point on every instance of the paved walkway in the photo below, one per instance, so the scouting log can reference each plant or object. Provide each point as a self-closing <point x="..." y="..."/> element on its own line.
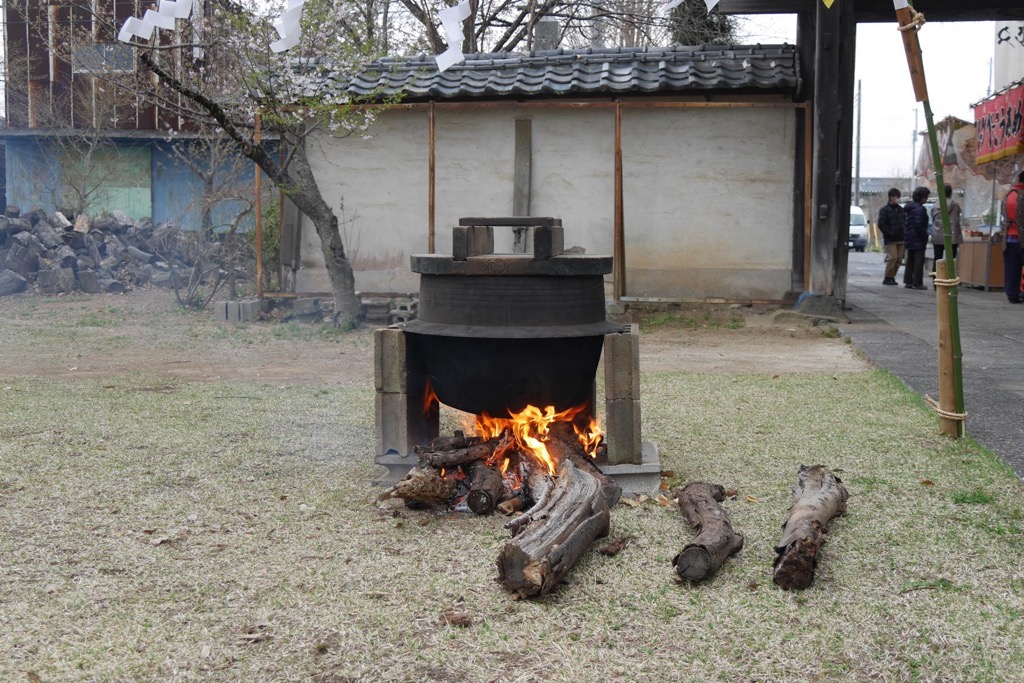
<point x="896" y="328"/>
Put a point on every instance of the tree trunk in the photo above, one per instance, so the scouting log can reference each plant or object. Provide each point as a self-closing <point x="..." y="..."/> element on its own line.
<point x="715" y="541"/>
<point x="310" y="201"/>
<point x="558" y="534"/>
<point x="818" y="496"/>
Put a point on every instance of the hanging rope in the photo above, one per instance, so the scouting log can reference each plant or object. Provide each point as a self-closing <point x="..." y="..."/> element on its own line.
<point x="959" y="417"/>
<point x="916" y="21"/>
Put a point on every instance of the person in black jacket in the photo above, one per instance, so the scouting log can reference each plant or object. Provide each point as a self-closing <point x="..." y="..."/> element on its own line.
<point x="891" y="223"/>
<point x="915" y="236"/>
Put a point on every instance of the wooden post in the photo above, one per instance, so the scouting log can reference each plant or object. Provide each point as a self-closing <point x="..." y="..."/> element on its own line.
<point x="912" y="47"/>
<point x="430" y="182"/>
<point x="259" y="220"/>
<point x="947" y="377"/>
<point x="619" y="243"/>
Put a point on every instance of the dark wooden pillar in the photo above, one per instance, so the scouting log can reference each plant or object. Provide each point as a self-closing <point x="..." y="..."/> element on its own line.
<point x="802" y="172"/>
<point x="835" y="51"/>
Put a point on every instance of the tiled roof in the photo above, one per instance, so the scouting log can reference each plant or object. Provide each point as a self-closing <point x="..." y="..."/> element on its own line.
<point x="756" y="68"/>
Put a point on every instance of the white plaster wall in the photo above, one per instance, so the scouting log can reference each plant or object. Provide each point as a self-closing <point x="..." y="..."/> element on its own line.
<point x="707" y="193"/>
<point x="382" y="183"/>
<point x="574" y="175"/>
<point x="708" y="202"/>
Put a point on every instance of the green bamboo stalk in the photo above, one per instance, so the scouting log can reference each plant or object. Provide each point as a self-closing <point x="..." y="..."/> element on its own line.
<point x="909" y="26"/>
<point x="947" y="240"/>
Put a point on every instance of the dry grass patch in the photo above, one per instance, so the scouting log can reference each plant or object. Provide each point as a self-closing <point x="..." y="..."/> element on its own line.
<point x="153" y="528"/>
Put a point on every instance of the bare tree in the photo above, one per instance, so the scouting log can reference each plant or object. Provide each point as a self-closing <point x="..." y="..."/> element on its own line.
<point x="216" y="71"/>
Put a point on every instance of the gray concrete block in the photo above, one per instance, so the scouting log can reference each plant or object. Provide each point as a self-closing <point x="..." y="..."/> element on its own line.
<point x="643" y="478"/>
<point x="390" y="366"/>
<point x="622" y="364"/>
<point x="249" y="310"/>
<point x="622" y="431"/>
<point x="220" y="311"/>
<point x="401" y="424"/>
<point x="306" y="306"/>
<point x="233" y="312"/>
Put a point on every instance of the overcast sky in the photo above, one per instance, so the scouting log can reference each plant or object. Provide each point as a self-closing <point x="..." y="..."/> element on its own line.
<point x="956" y="63"/>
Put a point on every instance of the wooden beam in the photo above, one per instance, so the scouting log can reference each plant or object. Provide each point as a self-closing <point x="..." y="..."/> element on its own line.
<point x="881" y="10"/>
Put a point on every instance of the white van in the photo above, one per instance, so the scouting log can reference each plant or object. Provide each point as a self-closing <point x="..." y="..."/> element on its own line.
<point x="858" y="229"/>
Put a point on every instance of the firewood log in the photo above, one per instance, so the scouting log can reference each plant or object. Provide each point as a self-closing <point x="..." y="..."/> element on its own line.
<point x="448" y="443"/>
<point x="423" y="485"/>
<point x="576" y="514"/>
<point x="715" y="541"/>
<point x="818" y="496"/>
<point x="461" y="456"/>
<point x="564" y="444"/>
<point x="485" y="488"/>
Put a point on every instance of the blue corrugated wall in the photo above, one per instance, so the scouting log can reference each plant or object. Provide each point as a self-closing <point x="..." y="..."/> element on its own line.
<point x="36" y="169"/>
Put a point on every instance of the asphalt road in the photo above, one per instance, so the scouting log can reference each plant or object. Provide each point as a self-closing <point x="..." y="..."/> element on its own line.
<point x="897" y="329"/>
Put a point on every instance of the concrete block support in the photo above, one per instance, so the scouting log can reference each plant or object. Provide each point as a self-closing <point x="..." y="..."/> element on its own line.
<point x="622" y="395"/>
<point x="389" y="360"/>
<point x="623" y="431"/>
<point x="622" y="364"/>
<point x="404" y="417"/>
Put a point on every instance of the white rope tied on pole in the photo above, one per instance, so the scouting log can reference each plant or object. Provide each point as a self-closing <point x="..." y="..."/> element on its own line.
<point x="959" y="417"/>
<point x="917" y="20"/>
<point x="944" y="282"/>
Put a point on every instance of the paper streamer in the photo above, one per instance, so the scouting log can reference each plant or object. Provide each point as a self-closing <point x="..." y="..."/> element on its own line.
<point x="135" y="27"/>
<point x="451" y="25"/>
<point x="711" y="4"/>
<point x="288" y="27"/>
<point x="170" y="10"/>
<point x="158" y="20"/>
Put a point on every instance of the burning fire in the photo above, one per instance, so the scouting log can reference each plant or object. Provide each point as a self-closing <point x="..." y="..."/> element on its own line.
<point x="531" y="427"/>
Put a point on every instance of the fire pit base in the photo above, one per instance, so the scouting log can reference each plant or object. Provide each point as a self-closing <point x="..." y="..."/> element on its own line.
<point x="633" y="479"/>
<point x="644" y="478"/>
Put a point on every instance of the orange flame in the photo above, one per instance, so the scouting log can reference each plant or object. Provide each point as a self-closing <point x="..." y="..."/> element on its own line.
<point x="590" y="437"/>
<point x="530" y="428"/>
<point x="431" y="402"/>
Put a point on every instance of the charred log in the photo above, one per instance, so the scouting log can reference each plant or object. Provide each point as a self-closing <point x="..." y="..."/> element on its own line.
<point x="539" y="485"/>
<point x="423" y="485"/>
<point x="818" y="496"/>
<point x="558" y="534"/>
<point x="715" y="541"/>
<point x="461" y="456"/>
<point x="449" y="443"/>
<point x="485" y="488"/>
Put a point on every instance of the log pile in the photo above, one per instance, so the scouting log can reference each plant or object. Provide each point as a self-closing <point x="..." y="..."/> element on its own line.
<point x="110" y="253"/>
<point x="556" y="517"/>
<point x="559" y="516"/>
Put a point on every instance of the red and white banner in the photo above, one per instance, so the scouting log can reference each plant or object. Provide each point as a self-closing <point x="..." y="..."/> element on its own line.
<point x="999" y="122"/>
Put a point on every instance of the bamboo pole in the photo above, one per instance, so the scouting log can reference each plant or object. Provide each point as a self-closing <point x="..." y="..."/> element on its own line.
<point x="948" y="315"/>
<point x="947" y="380"/>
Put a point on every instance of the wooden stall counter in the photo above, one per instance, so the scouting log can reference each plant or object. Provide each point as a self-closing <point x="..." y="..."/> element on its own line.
<point x="980" y="263"/>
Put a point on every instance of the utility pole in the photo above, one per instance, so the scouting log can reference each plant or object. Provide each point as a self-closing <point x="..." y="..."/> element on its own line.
<point x="913" y="153"/>
<point x="856" y="182"/>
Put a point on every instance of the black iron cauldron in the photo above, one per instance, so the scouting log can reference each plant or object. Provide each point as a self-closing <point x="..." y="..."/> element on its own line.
<point x="496" y="333"/>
